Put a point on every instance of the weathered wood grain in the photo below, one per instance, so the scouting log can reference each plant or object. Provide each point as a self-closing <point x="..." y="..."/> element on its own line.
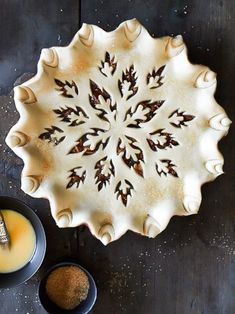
<point x="190" y="267"/>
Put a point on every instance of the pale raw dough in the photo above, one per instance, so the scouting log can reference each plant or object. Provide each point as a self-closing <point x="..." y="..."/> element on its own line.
<point x="119" y="131"/>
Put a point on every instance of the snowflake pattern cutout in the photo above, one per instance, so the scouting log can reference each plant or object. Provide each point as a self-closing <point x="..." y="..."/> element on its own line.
<point x="128" y="148"/>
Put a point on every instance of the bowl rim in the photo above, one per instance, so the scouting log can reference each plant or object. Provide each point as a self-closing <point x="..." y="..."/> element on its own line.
<point x="15" y="200"/>
<point x="68" y="262"/>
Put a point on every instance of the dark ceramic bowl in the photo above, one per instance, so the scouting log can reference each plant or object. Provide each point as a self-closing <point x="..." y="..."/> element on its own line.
<point x="83" y="308"/>
<point x="18" y="277"/>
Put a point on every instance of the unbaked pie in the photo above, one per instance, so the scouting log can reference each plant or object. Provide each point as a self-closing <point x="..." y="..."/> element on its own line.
<point x="118" y="130"/>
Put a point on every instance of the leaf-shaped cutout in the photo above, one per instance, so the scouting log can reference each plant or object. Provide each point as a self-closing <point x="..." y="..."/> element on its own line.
<point x="143" y="112"/>
<point x="127" y="85"/>
<point x="179" y="118"/>
<point x="67" y="89"/>
<point x="101" y="100"/>
<point x="52" y="135"/>
<point x="132" y="155"/>
<point x="154" y="79"/>
<point x="105" y="169"/>
<point x="124" y="190"/>
<point x="166" y="167"/>
<point x="108" y="66"/>
<point x="160" y="139"/>
<point x="77" y="176"/>
<point x="90" y="142"/>
<point x="72" y="116"/>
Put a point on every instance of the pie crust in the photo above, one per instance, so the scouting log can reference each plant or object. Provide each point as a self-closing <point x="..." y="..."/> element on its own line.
<point x="118" y="130"/>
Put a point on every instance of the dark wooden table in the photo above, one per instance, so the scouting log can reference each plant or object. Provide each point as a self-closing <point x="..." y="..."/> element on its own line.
<point x="190" y="267"/>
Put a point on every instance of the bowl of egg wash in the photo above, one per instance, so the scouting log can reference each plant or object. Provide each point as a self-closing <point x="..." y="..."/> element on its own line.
<point x="25" y="242"/>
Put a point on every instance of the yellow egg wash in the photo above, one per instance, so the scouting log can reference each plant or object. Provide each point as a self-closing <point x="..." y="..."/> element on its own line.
<point x="22" y="242"/>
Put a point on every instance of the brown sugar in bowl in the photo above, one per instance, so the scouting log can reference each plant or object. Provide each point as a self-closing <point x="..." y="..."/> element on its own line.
<point x="67" y="288"/>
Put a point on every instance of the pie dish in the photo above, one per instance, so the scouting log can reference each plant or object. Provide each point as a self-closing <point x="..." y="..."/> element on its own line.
<point x="119" y="131"/>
